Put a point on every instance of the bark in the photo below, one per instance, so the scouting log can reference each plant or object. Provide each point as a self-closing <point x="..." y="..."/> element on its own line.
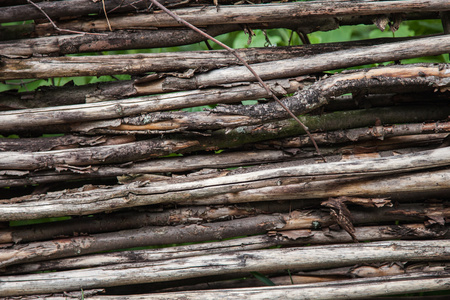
<point x="242" y="261"/>
<point x="328" y="61"/>
<point x="160" y="123"/>
<point x="106" y="91"/>
<point x="121" y="153"/>
<point x="38" y="121"/>
<point x="304" y="101"/>
<point x="55" y="9"/>
<point x="145" y="236"/>
<point x="227" y="14"/>
<point x="60" y="142"/>
<point x="204" y="214"/>
<point x="161" y="62"/>
<point x="310" y="98"/>
<point x="374" y="270"/>
<point x="376" y="135"/>
<point x="368" y="81"/>
<point x="141" y="21"/>
<point x="133" y="106"/>
<point x="219" y="139"/>
<point x="349" y="289"/>
<point x="35" y="256"/>
<point x="380" y="141"/>
<point x="253" y="15"/>
<point x="149" y="255"/>
<point x="276" y="184"/>
<point x="160" y="165"/>
<point x="136" y="219"/>
<point x="119" y="40"/>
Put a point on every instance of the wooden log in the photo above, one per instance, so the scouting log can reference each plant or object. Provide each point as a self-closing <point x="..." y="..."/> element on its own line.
<point x="162" y="62"/>
<point x="120" y="40"/>
<point x="220" y="139"/>
<point x="35" y="256"/>
<point x="348" y="289"/>
<point x="312" y="97"/>
<point x="248" y="261"/>
<point x="138" y="22"/>
<point x="277" y="184"/>
<point x="307" y="17"/>
<point x="143" y="170"/>
<point x="107" y="91"/>
<point x="319" y="93"/>
<point x="295" y="278"/>
<point x="133" y="106"/>
<point x="132" y="256"/>
<point x="204" y="214"/>
<point x="249" y="14"/>
<point x="22" y="10"/>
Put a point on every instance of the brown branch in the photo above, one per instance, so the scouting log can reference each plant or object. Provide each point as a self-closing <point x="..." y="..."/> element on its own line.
<point x="399" y="79"/>
<point x="341" y="289"/>
<point x="375" y="210"/>
<point x="141" y="63"/>
<point x="106" y="15"/>
<point x="220" y="139"/>
<point x="41" y="252"/>
<point x="149" y="170"/>
<point x="245" y="14"/>
<point x="283" y="183"/>
<point x="53" y="23"/>
<point x="240" y="261"/>
<point x="57" y="9"/>
<point x="391" y="78"/>
<point x="232" y="51"/>
<point x="116" y="40"/>
<point x="141" y="21"/>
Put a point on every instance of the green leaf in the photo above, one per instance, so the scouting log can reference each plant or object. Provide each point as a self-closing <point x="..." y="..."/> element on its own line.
<point x="263" y="278"/>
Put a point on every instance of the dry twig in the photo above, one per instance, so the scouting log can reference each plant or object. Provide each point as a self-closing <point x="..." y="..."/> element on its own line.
<point x="232" y="51"/>
<point x="55" y="26"/>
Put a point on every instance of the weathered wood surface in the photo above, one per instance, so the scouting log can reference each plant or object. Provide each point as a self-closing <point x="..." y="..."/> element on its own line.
<point x="150" y="236"/>
<point x="286" y="201"/>
<point x="378" y="138"/>
<point x="162" y="62"/>
<point x="219" y="139"/>
<point x="227" y="14"/>
<point x="375" y="210"/>
<point x="309" y="98"/>
<point x="22" y="10"/>
<point x="349" y="289"/>
<point x="208" y="265"/>
<point x="134" y="106"/>
<point x="117" y="40"/>
<point x="142" y="21"/>
<point x="278" y="184"/>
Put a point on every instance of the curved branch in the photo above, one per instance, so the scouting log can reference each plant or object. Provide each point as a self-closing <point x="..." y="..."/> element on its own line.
<point x="393" y="78"/>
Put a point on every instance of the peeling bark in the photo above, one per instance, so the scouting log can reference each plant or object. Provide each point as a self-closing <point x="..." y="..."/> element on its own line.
<point x="120" y="40"/>
<point x="277" y="184"/>
<point x="256" y="260"/>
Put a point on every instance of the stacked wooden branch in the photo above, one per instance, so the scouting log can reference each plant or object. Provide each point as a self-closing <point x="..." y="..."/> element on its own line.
<point x="224" y="200"/>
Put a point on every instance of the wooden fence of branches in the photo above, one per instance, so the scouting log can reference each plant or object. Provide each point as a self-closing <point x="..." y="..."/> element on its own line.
<point x="181" y="178"/>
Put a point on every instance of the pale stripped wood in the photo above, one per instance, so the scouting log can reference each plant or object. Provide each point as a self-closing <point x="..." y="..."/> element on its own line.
<point x="282" y="183"/>
<point x="243" y="261"/>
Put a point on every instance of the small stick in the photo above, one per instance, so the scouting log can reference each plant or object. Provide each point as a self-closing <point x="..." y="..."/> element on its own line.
<point x="106" y="15"/>
<point x="53" y="23"/>
<point x="232" y="51"/>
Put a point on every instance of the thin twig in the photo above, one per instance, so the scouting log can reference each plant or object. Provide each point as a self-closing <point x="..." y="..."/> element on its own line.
<point x="232" y="51"/>
<point x="106" y="15"/>
<point x="54" y="25"/>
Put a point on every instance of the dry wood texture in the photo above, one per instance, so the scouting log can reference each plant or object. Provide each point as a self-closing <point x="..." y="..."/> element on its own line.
<point x="185" y="154"/>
